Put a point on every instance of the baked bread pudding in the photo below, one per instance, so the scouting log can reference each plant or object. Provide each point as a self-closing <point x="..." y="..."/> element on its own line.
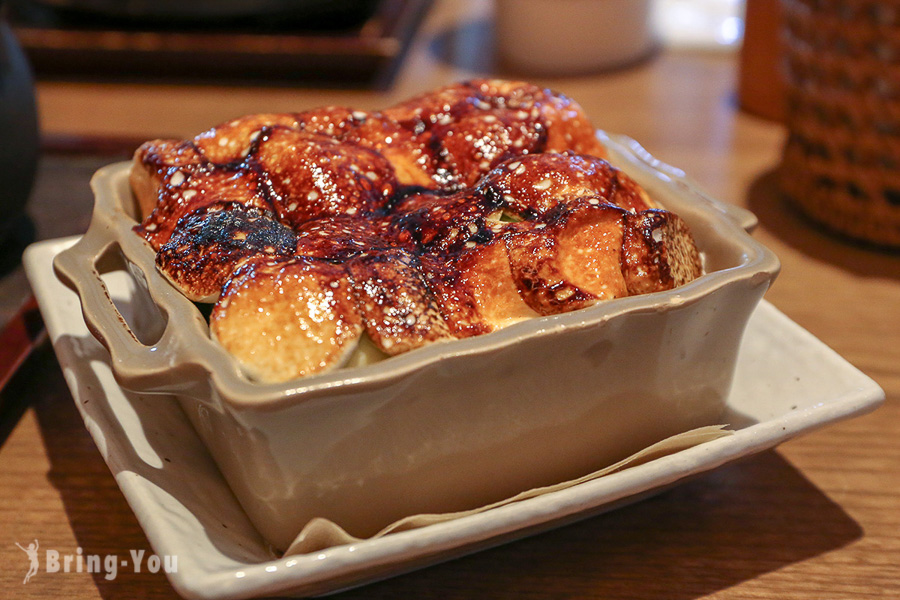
<point x="338" y="236"/>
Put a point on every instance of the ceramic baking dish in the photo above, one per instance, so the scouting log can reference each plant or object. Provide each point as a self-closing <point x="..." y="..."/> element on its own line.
<point x="450" y="426"/>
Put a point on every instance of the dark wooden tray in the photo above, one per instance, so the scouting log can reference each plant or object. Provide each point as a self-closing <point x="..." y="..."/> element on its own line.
<point x="364" y="55"/>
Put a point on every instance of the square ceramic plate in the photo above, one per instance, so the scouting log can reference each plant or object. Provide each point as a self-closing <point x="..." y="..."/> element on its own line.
<point x="787" y="382"/>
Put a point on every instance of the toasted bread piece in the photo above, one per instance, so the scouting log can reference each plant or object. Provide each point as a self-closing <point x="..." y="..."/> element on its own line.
<point x="533" y="185"/>
<point x="190" y="188"/>
<point x="659" y="252"/>
<point x="285" y="318"/>
<point x="310" y="176"/>
<point x="441" y="223"/>
<point x="478" y="142"/>
<point x="231" y="142"/>
<point x="153" y="164"/>
<point x="570" y="259"/>
<point x="467" y="128"/>
<point x="568" y="127"/>
<point x="589" y="238"/>
<point x="407" y="149"/>
<point x="474" y="288"/>
<point x="398" y="309"/>
<point x="209" y="243"/>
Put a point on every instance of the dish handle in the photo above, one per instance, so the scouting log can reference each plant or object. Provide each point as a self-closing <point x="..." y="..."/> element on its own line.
<point x="152" y="360"/>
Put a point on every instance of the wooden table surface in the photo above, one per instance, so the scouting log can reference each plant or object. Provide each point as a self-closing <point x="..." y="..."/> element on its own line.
<point x="817" y="518"/>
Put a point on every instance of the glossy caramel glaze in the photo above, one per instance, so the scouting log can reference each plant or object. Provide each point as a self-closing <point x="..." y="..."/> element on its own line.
<point x="284" y="318"/>
<point x="398" y="308"/>
<point x="453" y="214"/>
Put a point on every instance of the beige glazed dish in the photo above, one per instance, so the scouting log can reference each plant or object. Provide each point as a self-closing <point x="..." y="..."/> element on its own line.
<point x="449" y="426"/>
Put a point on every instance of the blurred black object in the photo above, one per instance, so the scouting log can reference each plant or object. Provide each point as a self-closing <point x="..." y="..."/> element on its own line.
<point x="18" y="148"/>
<point x="348" y="43"/>
<point x="201" y="14"/>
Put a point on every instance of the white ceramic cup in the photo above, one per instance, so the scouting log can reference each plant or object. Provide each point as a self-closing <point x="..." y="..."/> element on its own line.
<point x="567" y="37"/>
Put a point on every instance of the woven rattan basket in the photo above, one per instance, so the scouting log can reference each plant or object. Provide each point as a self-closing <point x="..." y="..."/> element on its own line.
<point x="842" y="158"/>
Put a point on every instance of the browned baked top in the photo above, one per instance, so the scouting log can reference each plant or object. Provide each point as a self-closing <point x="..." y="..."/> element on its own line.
<point x="450" y="215"/>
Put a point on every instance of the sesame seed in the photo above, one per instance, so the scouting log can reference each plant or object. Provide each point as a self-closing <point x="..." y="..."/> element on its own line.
<point x="188" y="194"/>
<point x="176" y="179"/>
<point x="543" y="184"/>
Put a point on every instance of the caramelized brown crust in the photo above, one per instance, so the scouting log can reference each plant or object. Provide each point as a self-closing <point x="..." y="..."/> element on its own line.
<point x="308" y="176"/>
<point x="474" y="288"/>
<point x="444" y="139"/>
<point x="208" y="244"/>
<point x="397" y="307"/>
<point x="154" y="162"/>
<point x="344" y="237"/>
<point x="658" y="252"/>
<point x="457" y="213"/>
<point x="532" y="185"/>
<point x="570" y="259"/>
<point x="408" y="152"/>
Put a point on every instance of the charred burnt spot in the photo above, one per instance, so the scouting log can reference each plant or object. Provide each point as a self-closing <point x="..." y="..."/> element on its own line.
<point x="484" y="235"/>
<point x="207" y="244"/>
<point x="233" y="224"/>
<point x="409" y="193"/>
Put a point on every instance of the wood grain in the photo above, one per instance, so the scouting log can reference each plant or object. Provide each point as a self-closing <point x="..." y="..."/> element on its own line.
<point x="817" y="518"/>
